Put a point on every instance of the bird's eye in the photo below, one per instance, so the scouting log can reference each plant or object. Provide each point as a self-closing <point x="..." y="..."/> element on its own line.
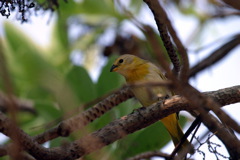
<point x="120" y="61"/>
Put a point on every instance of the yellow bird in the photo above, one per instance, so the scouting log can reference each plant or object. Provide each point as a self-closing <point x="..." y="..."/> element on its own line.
<point x="137" y="70"/>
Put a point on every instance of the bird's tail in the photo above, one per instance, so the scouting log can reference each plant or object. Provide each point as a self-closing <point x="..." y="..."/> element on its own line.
<point x="174" y="129"/>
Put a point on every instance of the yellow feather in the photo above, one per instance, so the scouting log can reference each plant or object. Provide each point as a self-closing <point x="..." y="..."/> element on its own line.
<point x="137" y="70"/>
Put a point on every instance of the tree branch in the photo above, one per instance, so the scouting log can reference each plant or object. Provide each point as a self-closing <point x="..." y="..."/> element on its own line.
<point x="216" y="56"/>
<point x="233" y="3"/>
<point x="142" y="118"/>
<point x="77" y="122"/>
<point x="8" y="128"/>
<point x="148" y="155"/>
<point x="119" y="128"/>
<point x="21" y="104"/>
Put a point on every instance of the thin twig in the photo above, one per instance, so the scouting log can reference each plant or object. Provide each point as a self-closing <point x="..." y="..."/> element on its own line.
<point x="151" y="37"/>
<point x="161" y="20"/>
<point x="21" y="104"/>
<point x="195" y="131"/>
<point x="184" y="138"/>
<point x="224" y="135"/>
<point x="165" y="26"/>
<point x="224" y="14"/>
<point x="150" y="154"/>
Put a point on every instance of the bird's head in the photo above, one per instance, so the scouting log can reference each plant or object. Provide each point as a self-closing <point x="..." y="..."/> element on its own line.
<point x="126" y="64"/>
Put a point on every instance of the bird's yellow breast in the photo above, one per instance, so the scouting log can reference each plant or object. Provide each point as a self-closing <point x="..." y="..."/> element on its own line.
<point x="147" y="95"/>
<point x="138" y="74"/>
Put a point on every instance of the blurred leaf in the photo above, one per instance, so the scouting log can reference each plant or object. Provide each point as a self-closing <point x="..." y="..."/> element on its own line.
<point x="59" y="50"/>
<point x="153" y="137"/>
<point x="25" y="120"/>
<point x="89" y="7"/>
<point x="60" y="141"/>
<point x="28" y="68"/>
<point x="88" y="39"/>
<point x="47" y="116"/>
<point x="37" y="92"/>
<point x="136" y="5"/>
<point x="61" y="33"/>
<point x="81" y="83"/>
<point x="127" y="107"/>
<point x="103" y="154"/>
<point x="47" y="110"/>
<point x="161" y="46"/>
<point x="182" y="120"/>
<point x="108" y="81"/>
<point x="103" y="120"/>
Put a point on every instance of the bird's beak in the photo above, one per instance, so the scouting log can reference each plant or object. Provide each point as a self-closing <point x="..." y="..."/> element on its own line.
<point x="113" y="68"/>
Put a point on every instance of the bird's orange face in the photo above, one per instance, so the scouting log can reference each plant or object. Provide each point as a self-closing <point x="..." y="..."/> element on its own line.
<point x="128" y="65"/>
<point x="122" y="64"/>
<point x="116" y="65"/>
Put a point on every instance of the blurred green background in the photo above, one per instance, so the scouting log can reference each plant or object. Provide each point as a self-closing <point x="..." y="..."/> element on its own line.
<point x="57" y="78"/>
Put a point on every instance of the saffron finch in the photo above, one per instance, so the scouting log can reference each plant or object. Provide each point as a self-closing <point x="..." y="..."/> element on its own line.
<point x="136" y="70"/>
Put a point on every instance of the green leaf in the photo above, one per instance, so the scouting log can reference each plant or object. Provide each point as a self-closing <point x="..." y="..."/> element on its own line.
<point x="47" y="110"/>
<point x="151" y="138"/>
<point x="108" y="81"/>
<point x="59" y="48"/>
<point x="81" y="83"/>
<point x="60" y="141"/>
<point x="28" y="68"/>
<point x="136" y="5"/>
<point x="89" y="7"/>
<point x="60" y="36"/>
<point x="126" y="107"/>
<point x="103" y="120"/>
<point x="47" y="116"/>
